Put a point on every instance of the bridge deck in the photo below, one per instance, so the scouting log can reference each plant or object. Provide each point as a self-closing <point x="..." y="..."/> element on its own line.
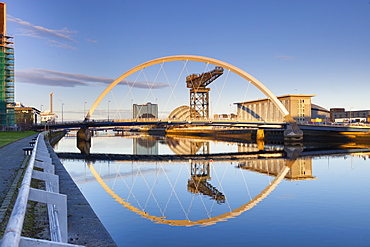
<point x="211" y="123"/>
<point x="157" y="122"/>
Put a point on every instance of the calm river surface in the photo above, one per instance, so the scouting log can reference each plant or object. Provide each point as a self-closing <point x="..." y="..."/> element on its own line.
<point x="256" y="200"/>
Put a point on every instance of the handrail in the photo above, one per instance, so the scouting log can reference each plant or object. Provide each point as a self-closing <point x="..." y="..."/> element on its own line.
<point x="56" y="203"/>
<point x="13" y="230"/>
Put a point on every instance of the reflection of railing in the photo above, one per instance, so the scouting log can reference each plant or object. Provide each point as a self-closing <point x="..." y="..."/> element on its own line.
<point x="336" y="124"/>
<point x="169" y="157"/>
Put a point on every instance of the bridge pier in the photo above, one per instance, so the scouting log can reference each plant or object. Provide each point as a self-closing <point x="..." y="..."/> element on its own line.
<point x="260" y="144"/>
<point x="293" y="132"/>
<point x="84" y="140"/>
<point x="260" y="134"/>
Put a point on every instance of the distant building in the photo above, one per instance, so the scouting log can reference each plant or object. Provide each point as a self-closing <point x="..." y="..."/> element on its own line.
<point x="147" y="110"/>
<point x="224" y="116"/>
<point x="26" y="116"/>
<point x="6" y="74"/>
<point x="299" y="106"/>
<point x="181" y="112"/>
<point x="340" y="115"/>
<point x="48" y="117"/>
<point x="319" y="114"/>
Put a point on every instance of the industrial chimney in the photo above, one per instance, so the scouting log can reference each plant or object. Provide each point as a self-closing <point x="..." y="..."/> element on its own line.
<point x="51" y="102"/>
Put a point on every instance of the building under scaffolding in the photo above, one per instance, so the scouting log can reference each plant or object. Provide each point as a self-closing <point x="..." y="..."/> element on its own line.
<point x="6" y="74"/>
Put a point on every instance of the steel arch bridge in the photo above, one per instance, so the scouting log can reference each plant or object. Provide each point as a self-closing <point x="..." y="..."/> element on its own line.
<point x="293" y="129"/>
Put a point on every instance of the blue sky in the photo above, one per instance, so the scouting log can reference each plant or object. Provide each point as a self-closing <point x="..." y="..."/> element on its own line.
<point x="75" y="48"/>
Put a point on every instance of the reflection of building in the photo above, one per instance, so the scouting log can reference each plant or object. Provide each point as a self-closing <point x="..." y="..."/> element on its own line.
<point x="6" y="74"/>
<point x="148" y="110"/>
<point x="185" y="146"/>
<point x="341" y="115"/>
<point x="271" y="164"/>
<point x="299" y="106"/>
<point x="144" y="145"/>
<point x="255" y="147"/>
<point x="301" y="169"/>
<point x="26" y="116"/>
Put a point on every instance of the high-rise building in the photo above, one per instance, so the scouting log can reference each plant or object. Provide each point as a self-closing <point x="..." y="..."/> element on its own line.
<point x="6" y="73"/>
<point x="147" y="110"/>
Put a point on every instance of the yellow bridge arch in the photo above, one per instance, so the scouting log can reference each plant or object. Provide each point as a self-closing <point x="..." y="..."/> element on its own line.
<point x="294" y="129"/>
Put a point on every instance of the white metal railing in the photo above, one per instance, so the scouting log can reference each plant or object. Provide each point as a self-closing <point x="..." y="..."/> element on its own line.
<point x="56" y="203"/>
<point x="336" y="124"/>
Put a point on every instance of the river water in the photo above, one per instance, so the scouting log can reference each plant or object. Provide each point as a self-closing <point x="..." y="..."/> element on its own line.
<point x="256" y="199"/>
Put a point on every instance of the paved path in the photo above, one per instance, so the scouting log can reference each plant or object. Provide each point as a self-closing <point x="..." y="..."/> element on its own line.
<point x="84" y="226"/>
<point x="11" y="159"/>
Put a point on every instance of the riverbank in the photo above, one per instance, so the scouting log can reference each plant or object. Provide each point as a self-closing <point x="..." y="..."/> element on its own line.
<point x="84" y="227"/>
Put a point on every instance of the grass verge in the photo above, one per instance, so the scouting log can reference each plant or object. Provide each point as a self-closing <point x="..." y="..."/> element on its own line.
<point x="11" y="136"/>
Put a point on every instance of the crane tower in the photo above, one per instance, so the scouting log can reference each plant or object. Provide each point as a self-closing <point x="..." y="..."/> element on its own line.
<point x="199" y="94"/>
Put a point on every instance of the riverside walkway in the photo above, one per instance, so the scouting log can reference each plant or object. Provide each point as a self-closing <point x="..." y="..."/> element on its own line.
<point x="84" y="227"/>
<point x="12" y="159"/>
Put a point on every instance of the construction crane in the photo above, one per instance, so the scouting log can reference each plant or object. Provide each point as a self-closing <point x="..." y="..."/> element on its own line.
<point x="199" y="94"/>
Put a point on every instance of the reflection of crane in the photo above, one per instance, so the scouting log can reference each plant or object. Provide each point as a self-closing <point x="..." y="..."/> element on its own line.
<point x="200" y="172"/>
<point x="199" y="94"/>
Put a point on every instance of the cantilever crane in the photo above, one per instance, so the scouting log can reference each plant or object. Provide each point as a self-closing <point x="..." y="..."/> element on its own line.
<point x="199" y="94"/>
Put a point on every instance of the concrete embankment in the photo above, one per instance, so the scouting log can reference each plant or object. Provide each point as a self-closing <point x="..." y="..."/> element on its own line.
<point x="84" y="227"/>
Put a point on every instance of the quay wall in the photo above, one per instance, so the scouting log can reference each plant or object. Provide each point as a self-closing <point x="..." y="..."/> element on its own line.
<point x="84" y="226"/>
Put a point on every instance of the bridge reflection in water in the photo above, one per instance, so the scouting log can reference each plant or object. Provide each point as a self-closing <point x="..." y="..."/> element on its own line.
<point x="219" y="186"/>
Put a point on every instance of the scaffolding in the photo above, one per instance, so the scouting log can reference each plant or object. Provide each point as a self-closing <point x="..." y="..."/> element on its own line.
<point x="6" y="81"/>
<point x="6" y="74"/>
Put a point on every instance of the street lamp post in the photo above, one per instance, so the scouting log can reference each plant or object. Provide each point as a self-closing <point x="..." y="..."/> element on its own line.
<point x="108" y="109"/>
<point x="84" y="109"/>
<point x="62" y="112"/>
